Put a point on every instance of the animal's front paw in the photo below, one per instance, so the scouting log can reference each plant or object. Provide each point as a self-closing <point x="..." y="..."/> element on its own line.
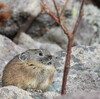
<point x="30" y="90"/>
<point x="35" y="90"/>
<point x="39" y="91"/>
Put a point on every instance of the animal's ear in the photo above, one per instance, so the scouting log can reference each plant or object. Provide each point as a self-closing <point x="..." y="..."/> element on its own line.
<point x="24" y="56"/>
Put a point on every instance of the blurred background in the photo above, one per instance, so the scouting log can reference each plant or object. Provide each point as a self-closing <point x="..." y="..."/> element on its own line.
<point x="41" y="31"/>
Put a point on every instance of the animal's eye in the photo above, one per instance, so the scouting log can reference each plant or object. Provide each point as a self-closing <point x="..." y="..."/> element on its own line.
<point x="40" y="54"/>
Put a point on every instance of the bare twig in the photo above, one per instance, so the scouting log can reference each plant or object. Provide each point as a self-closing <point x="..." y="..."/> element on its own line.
<point x="55" y="18"/>
<point x="79" y="17"/>
<point x="65" y="30"/>
<point x="68" y="56"/>
<point x="67" y="66"/>
<point x="64" y="7"/>
<point x="70" y="37"/>
<point x="58" y="15"/>
<point x="47" y="10"/>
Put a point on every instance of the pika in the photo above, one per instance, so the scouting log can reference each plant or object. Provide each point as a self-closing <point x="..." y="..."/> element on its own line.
<point x="32" y="69"/>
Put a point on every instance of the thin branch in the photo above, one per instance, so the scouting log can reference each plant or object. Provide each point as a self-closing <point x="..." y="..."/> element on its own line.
<point x="58" y="15"/>
<point x="55" y="18"/>
<point x="59" y="18"/>
<point x="79" y="17"/>
<point x="66" y="66"/>
<point x="65" y="30"/>
<point x="68" y="56"/>
<point x="64" y="7"/>
<point x="49" y="12"/>
<point x="70" y="38"/>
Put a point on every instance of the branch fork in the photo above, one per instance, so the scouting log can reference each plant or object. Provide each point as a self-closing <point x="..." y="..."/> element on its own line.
<point x="70" y="36"/>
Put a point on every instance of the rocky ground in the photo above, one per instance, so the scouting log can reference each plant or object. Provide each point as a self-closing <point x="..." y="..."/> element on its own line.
<point x="84" y="73"/>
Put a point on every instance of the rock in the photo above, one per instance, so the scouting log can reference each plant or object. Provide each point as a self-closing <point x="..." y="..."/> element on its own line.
<point x="84" y="74"/>
<point x="45" y="95"/>
<point x="12" y="92"/>
<point x="31" y="6"/>
<point x="81" y="95"/>
<point x="27" y="42"/>
<point x="40" y="25"/>
<point x="57" y="36"/>
<point x="21" y="12"/>
<point x="52" y="47"/>
<point x="88" y="30"/>
<point x="50" y="95"/>
<point x="13" y="24"/>
<point x="50" y="4"/>
<point x="7" y="51"/>
<point x="93" y="18"/>
<point x="84" y="34"/>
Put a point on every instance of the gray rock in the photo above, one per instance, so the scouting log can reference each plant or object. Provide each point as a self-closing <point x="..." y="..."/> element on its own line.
<point x="84" y="34"/>
<point x="57" y="36"/>
<point x="87" y="33"/>
<point x="20" y="15"/>
<point x="13" y="24"/>
<point x="27" y="42"/>
<point x="7" y="51"/>
<point x="40" y="25"/>
<point x="31" y="6"/>
<point x="50" y="95"/>
<point x="50" y="4"/>
<point x="84" y="72"/>
<point x="45" y="95"/>
<point x="93" y="18"/>
<point x="12" y="92"/>
<point x="81" y="95"/>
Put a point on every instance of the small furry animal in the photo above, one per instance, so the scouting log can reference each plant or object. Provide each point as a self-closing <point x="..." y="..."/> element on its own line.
<point x="33" y="69"/>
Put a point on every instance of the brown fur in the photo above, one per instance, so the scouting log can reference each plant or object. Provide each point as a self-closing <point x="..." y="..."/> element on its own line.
<point x="28" y="74"/>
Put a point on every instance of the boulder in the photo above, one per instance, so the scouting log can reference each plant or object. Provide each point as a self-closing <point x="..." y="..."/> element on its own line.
<point x="81" y="95"/>
<point x="12" y="92"/>
<point x="31" y="6"/>
<point x="7" y="51"/>
<point x="27" y="42"/>
<point x="84" y="73"/>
